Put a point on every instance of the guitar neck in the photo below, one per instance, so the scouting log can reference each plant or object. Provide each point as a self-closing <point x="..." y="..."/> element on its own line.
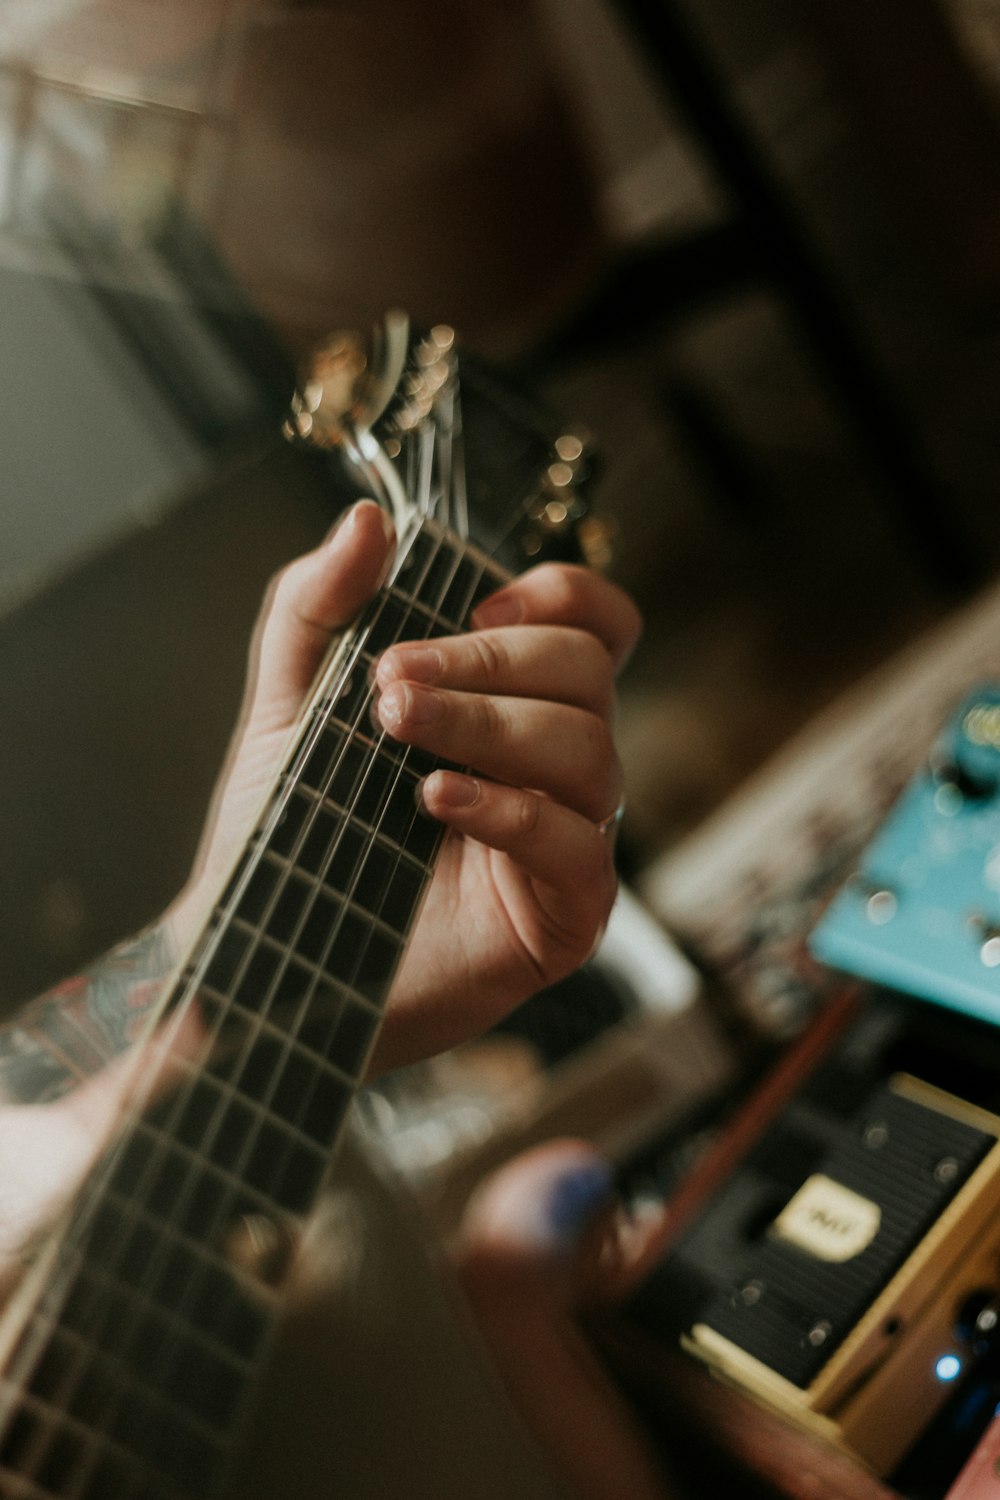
<point x="133" y="1364"/>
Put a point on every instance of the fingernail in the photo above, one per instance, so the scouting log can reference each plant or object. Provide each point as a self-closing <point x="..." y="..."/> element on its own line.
<point x="349" y="516"/>
<point x="339" y="524"/>
<point x="452" y="789"/>
<point x="575" y="1198"/>
<point x="388" y="525"/>
<point x="416" y="663"/>
<point x="402" y="704"/>
<point x="499" y="609"/>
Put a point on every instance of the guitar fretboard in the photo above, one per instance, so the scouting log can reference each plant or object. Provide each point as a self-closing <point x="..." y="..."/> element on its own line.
<point x="132" y="1368"/>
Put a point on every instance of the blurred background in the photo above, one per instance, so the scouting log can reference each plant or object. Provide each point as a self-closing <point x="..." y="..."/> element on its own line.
<point x="753" y="247"/>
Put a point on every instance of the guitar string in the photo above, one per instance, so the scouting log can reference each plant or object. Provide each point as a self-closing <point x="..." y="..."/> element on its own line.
<point x="360" y="861"/>
<point x="473" y="585"/>
<point x="319" y="878"/>
<point x="236" y="1175"/>
<point x="398" y="855"/>
<point x="359" y="865"/>
<point x="317" y="881"/>
<point x="76" y="1374"/>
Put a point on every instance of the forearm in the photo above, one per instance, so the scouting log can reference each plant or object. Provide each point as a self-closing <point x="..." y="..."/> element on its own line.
<point x="73" y="1031"/>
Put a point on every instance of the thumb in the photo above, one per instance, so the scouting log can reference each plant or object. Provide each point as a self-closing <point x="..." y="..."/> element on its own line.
<point x="307" y="604"/>
<point x="540" y="1226"/>
<point x="539" y="1241"/>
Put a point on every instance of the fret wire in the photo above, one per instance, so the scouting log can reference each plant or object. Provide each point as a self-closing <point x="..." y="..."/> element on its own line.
<point x="162" y="1388"/>
<point x="132" y="1212"/>
<point x="358" y="791"/>
<point x="166" y="1142"/>
<point x="98" y="1443"/>
<point x="88" y="1351"/>
<point x="228" y="1091"/>
<point x="458" y="557"/>
<point x="317" y="879"/>
<point x="69" y="1383"/>
<point x="275" y="1032"/>
<point x="191" y="987"/>
<point x="263" y="1022"/>
<point x="478" y="572"/>
<point x="265" y="1008"/>
<point x="120" y="1370"/>
<point x="314" y="1110"/>
<point x="28" y="1461"/>
<point x="235" y="1176"/>
<point x="260" y="1021"/>
<point x="197" y="1169"/>
<point x="205" y="1257"/>
<point x="29" y="1349"/>
<point x="181" y="1099"/>
<point x="288" y="869"/>
<point x="130" y="1206"/>
<point x="381" y="738"/>
<point x="411" y="861"/>
<point x="271" y="1027"/>
<point x="14" y="1486"/>
<point x="109" y="1365"/>
<point x="211" y="1278"/>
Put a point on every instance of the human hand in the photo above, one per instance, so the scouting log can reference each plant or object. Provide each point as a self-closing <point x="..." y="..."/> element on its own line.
<point x="544" y="1242"/>
<point x="525" y="884"/>
<point x="523" y="888"/>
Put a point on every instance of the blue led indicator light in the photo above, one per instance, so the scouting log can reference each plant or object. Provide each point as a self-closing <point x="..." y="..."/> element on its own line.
<point x="948" y="1367"/>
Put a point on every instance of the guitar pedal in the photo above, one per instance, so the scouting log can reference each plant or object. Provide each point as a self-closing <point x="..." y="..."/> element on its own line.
<point x="922" y="913"/>
<point x="846" y="1271"/>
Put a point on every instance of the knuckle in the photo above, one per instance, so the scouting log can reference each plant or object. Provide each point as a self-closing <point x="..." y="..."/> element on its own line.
<point x="565" y="588"/>
<point x="489" y="724"/>
<point x="599" y="671"/>
<point x="602" y="744"/>
<point x="289" y="589"/>
<point x="525" y="814"/>
<point x="490" y="658"/>
<point x="284" y="584"/>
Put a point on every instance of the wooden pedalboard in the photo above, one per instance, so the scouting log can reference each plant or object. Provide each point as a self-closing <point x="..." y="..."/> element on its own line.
<point x="811" y="1309"/>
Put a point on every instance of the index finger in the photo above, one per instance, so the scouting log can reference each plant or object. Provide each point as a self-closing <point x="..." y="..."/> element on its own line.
<point x="564" y="594"/>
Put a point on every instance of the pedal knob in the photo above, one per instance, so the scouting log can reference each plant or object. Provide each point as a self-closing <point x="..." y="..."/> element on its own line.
<point x="978" y="1321"/>
<point x="969" y="759"/>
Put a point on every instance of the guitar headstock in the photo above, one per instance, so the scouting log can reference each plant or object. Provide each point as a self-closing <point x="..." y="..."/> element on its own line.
<point x="399" y="411"/>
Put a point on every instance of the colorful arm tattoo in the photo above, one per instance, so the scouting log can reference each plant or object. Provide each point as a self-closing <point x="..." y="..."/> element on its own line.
<point x="74" y="1030"/>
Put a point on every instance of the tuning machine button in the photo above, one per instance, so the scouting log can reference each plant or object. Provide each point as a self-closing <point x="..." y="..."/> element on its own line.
<point x="558" y="520"/>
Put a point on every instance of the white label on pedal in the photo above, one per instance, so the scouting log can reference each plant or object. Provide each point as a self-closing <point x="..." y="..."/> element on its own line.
<point x="827" y="1220"/>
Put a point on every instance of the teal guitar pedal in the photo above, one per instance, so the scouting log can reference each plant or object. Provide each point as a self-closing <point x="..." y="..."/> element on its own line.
<point x="922" y="912"/>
